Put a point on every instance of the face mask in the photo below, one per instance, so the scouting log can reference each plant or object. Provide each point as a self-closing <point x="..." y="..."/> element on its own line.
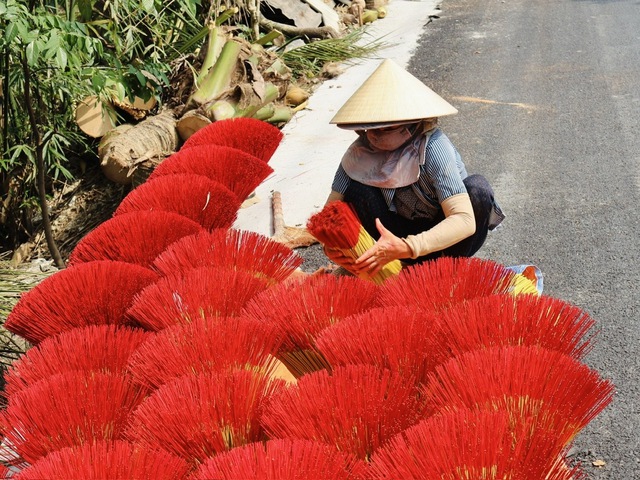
<point x="388" y="139"/>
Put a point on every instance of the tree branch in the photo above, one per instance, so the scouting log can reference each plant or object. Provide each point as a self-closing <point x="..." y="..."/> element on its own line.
<point x="319" y="32"/>
<point x="40" y="169"/>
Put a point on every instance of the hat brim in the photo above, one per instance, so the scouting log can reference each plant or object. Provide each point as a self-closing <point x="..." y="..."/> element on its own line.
<point x="374" y="126"/>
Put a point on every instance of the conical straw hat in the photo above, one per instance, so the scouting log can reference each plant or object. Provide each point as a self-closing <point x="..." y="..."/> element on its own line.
<point x="391" y="95"/>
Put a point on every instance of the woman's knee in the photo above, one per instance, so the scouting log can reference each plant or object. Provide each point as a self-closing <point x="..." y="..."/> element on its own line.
<point x="479" y="190"/>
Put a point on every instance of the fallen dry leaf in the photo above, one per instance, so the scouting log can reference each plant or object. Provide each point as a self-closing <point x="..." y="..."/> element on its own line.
<point x="599" y="463"/>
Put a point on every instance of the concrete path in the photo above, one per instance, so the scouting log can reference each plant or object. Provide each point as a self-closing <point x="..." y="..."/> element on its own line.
<point x="310" y="152"/>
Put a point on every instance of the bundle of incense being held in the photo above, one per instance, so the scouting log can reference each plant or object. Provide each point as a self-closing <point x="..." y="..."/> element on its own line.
<point x="337" y="226"/>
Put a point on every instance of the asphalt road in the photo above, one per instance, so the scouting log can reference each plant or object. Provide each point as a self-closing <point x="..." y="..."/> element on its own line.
<point x="548" y="94"/>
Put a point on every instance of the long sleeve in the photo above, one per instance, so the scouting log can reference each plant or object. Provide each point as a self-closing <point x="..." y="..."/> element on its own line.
<point x="459" y="223"/>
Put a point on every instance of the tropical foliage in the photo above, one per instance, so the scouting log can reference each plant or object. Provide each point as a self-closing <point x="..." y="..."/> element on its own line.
<point x="54" y="53"/>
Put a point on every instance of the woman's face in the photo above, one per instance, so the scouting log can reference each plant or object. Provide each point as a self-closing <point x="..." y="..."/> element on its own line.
<point x="389" y="138"/>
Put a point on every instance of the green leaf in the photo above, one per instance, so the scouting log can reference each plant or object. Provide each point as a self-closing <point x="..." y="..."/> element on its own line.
<point x="149" y="7"/>
<point x="88" y="47"/>
<point x="20" y="150"/>
<point x="11" y="32"/>
<point x="61" y="58"/>
<point x="65" y="173"/>
<point x="23" y="28"/>
<point x="142" y="80"/>
<point x="120" y="90"/>
<point x="52" y="44"/>
<point x="98" y="81"/>
<point x="32" y="52"/>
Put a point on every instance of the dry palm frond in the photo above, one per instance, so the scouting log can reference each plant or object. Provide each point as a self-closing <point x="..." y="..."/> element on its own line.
<point x="309" y="59"/>
<point x="13" y="283"/>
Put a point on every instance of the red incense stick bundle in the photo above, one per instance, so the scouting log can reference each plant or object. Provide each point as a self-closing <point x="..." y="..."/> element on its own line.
<point x="286" y="459"/>
<point x="301" y="310"/>
<point x="239" y="171"/>
<point x="258" y="138"/>
<point x="560" y="392"/>
<point x="503" y="320"/>
<point x="92" y="293"/>
<point x="398" y="338"/>
<point x="100" y="348"/>
<point x="200" y="292"/>
<point x="469" y="444"/>
<point x="206" y="202"/>
<point x="197" y="416"/>
<point x="356" y="408"/>
<point x="69" y="409"/>
<point x="337" y="226"/>
<point x="107" y="460"/>
<point x="233" y="249"/>
<point x="205" y="345"/>
<point x="136" y="237"/>
<point x="438" y="284"/>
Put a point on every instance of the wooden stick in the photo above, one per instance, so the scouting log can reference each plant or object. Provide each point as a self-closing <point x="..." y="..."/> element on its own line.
<point x="278" y="216"/>
<point x="292" y="237"/>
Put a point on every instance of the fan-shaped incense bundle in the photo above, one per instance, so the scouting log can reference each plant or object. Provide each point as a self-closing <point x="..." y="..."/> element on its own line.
<point x="240" y="172"/>
<point x="468" y="444"/>
<point x="561" y="393"/>
<point x="438" y="284"/>
<point x="337" y="226"/>
<point x="255" y="137"/>
<point x="104" y="460"/>
<point x="287" y="459"/>
<point x="356" y="408"/>
<point x="203" y="291"/>
<point x="208" y="203"/>
<point x="401" y="339"/>
<point x="205" y="345"/>
<point x="302" y="310"/>
<point x="100" y="348"/>
<point x="68" y="409"/>
<point x="92" y="293"/>
<point x="137" y="237"/>
<point x="233" y="249"/>
<point x="199" y="415"/>
<point x="503" y="320"/>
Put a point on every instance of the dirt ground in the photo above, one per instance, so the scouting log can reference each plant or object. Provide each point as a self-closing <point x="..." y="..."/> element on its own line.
<point x="83" y="205"/>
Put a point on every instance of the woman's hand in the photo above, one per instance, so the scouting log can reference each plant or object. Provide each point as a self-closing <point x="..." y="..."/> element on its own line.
<point x="387" y="248"/>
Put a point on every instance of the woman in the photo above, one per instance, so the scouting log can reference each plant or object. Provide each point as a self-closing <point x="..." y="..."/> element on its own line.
<point x="405" y="179"/>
